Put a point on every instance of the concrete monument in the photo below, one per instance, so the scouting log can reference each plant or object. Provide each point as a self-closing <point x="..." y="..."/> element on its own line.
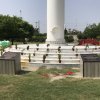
<point x="55" y="22"/>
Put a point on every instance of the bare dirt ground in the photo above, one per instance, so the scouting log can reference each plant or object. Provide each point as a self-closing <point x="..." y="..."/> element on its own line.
<point x="61" y="76"/>
<point x="30" y="68"/>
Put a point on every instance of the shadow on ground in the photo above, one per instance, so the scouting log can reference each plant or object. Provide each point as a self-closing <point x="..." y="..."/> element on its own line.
<point x="23" y="72"/>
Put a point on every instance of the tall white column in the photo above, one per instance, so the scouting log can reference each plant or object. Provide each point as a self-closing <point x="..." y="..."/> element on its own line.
<point x="55" y="22"/>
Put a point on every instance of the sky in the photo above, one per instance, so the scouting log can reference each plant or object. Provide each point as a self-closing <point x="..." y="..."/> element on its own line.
<point x="78" y="13"/>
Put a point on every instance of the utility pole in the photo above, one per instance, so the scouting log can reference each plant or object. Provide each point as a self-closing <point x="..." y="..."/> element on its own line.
<point x="37" y="25"/>
<point x="20" y="14"/>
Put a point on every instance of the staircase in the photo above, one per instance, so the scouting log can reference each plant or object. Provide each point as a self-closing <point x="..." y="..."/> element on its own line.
<point x="52" y="55"/>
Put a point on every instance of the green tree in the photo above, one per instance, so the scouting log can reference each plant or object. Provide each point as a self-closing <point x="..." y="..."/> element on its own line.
<point x="65" y="31"/>
<point x="69" y="38"/>
<point x="92" y="31"/>
<point x="15" y="29"/>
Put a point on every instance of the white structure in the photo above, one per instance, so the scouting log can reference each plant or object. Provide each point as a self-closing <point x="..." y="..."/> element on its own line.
<point x="55" y="22"/>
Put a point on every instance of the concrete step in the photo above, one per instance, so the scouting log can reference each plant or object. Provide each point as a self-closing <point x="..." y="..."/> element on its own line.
<point x="38" y="62"/>
<point x="63" y="61"/>
<point x="52" y="56"/>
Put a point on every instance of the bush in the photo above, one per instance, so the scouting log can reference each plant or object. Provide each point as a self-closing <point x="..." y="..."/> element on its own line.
<point x="38" y="38"/>
<point x="69" y="38"/>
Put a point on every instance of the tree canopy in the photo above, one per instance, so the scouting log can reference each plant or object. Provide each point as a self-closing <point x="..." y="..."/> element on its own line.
<point x="91" y="31"/>
<point x="15" y="28"/>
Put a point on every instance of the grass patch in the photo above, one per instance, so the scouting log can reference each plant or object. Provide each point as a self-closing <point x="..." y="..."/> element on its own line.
<point x="44" y="70"/>
<point x="31" y="86"/>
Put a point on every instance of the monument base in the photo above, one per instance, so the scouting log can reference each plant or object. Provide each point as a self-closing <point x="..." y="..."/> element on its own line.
<point x="61" y="42"/>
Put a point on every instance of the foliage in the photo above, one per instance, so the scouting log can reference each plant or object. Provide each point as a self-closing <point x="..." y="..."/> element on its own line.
<point x="62" y="70"/>
<point x="44" y="57"/>
<point x="59" y="49"/>
<point x="91" y="31"/>
<point x="15" y="29"/>
<point x="29" y="57"/>
<point x="39" y="38"/>
<point x="69" y="38"/>
<point x="71" y="32"/>
<point x="59" y="58"/>
<point x="82" y="36"/>
<point x="65" y="31"/>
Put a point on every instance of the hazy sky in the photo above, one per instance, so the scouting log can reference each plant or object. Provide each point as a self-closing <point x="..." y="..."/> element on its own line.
<point x="78" y="13"/>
